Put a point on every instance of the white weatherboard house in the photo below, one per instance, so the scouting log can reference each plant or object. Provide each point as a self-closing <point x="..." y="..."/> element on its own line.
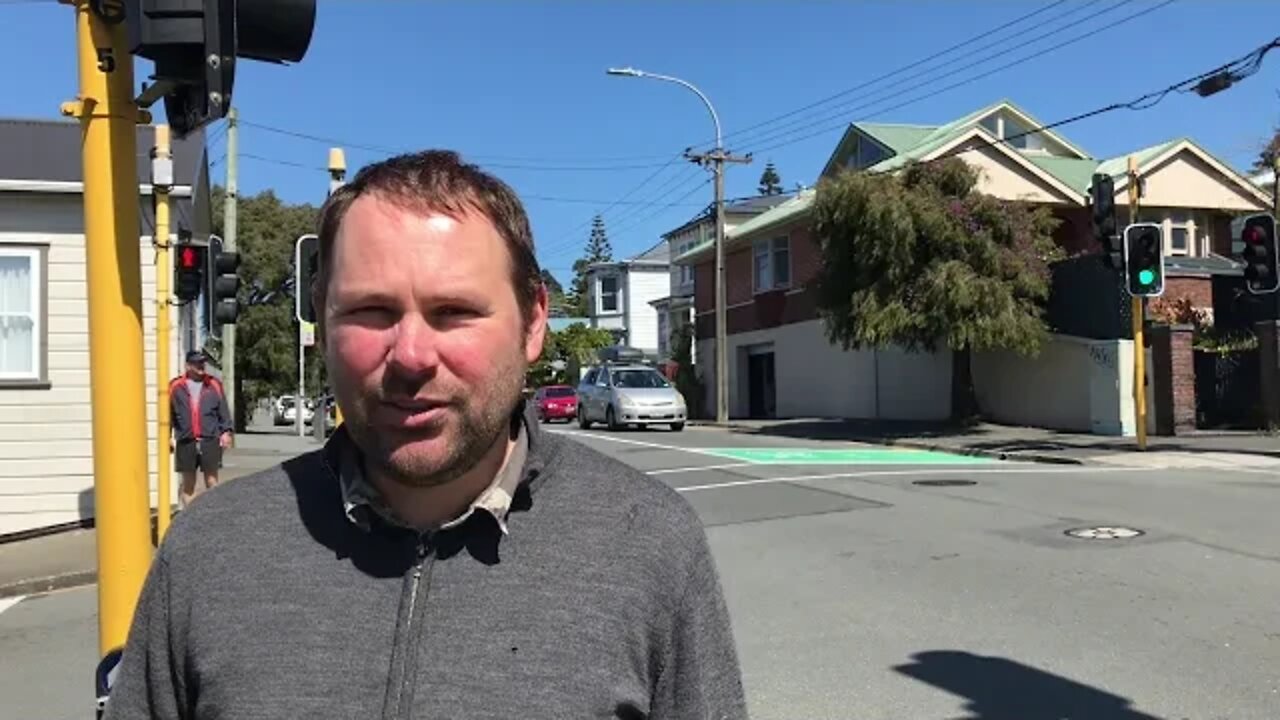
<point x="620" y="296"/>
<point x="46" y="449"/>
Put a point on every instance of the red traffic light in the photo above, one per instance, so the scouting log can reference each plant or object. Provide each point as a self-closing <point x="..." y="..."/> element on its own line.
<point x="189" y="258"/>
<point x="1253" y="235"/>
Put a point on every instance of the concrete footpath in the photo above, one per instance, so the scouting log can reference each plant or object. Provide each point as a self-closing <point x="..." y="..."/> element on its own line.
<point x="1023" y="443"/>
<point x="69" y="558"/>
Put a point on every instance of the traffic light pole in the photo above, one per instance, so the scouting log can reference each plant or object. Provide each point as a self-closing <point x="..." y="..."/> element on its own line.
<point x="229" y="245"/>
<point x="108" y="119"/>
<point x="160" y="239"/>
<point x="1138" y="312"/>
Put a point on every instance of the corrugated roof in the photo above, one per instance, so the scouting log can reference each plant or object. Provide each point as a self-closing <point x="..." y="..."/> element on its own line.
<point x="741" y="206"/>
<point x="50" y="150"/>
<point x="789" y="210"/>
<point x="1073" y="172"/>
<point x="1118" y="166"/>
<point x="897" y="137"/>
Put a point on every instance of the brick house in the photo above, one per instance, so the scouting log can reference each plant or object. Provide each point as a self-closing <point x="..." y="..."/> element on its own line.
<point x="782" y="364"/>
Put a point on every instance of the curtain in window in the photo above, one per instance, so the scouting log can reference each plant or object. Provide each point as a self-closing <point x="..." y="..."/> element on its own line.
<point x="17" y="316"/>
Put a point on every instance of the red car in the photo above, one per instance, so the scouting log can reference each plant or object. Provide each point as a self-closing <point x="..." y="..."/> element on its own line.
<point x="556" y="402"/>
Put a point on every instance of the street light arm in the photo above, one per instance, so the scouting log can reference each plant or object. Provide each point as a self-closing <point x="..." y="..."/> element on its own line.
<point x="631" y="72"/>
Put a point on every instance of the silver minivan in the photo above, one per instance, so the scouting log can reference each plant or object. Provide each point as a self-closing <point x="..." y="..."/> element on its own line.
<point x="629" y="394"/>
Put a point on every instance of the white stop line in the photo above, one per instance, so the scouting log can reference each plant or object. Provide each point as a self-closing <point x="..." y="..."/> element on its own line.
<point x="6" y="603"/>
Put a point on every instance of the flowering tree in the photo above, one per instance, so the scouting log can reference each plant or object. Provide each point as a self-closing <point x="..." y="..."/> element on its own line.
<point x="923" y="261"/>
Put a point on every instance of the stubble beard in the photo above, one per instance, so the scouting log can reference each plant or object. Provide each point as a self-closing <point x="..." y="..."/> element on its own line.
<point x="472" y="425"/>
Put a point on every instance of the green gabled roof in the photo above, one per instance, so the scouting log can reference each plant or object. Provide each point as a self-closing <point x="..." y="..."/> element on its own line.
<point x="782" y="213"/>
<point x="898" y="138"/>
<point x="1119" y="165"/>
<point x="1075" y="173"/>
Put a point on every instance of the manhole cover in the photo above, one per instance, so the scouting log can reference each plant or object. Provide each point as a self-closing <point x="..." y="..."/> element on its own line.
<point x="1105" y="532"/>
<point x="944" y="483"/>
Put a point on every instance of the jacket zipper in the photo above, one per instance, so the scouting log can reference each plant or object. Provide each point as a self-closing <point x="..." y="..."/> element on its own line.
<point x="408" y="667"/>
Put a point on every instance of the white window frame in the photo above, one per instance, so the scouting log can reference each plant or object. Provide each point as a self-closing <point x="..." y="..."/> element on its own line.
<point x="1164" y="217"/>
<point x="35" y="257"/>
<point x="617" y="294"/>
<point x="686" y="270"/>
<point x="770" y="248"/>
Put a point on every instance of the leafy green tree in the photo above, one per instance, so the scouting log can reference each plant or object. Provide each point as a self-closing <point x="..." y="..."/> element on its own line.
<point x="687" y="380"/>
<point x="266" y="331"/>
<point x="770" y="181"/>
<point x="923" y="261"/>
<point x="598" y="250"/>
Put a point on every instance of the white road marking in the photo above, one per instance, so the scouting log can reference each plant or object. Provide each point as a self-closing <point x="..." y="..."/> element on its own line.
<point x="641" y="443"/>
<point x="919" y="472"/>
<point x="6" y="603"/>
<point x="699" y="468"/>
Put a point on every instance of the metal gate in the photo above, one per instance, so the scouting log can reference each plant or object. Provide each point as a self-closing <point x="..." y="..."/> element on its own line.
<point x="1228" y="389"/>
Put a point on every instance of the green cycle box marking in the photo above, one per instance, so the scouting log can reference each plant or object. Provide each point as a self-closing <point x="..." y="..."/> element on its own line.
<point x="860" y="456"/>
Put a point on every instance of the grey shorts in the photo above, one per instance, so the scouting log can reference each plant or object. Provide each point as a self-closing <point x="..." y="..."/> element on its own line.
<point x="204" y="454"/>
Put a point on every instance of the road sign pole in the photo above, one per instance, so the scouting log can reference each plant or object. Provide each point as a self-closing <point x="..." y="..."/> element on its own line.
<point x="108" y="120"/>
<point x="1138" y="312"/>
<point x="160" y="185"/>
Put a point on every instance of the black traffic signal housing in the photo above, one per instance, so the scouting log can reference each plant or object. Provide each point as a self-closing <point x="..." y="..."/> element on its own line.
<point x="1144" y="259"/>
<point x="226" y="286"/>
<point x="1102" y="196"/>
<point x="188" y="271"/>
<point x="194" y="45"/>
<point x="1261" y="271"/>
<point x="306" y="263"/>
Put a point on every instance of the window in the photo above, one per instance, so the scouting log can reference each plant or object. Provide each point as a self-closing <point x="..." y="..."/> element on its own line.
<point x="1184" y="233"/>
<point x="772" y="264"/>
<point x="686" y="270"/>
<point x="648" y="379"/>
<point x="608" y="294"/>
<point x="21" y="327"/>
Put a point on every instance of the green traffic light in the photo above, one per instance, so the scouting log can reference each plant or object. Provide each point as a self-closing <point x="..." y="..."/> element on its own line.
<point x="1146" y="277"/>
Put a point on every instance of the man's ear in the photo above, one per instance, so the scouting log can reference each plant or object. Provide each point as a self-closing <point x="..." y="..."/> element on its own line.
<point x="536" y="326"/>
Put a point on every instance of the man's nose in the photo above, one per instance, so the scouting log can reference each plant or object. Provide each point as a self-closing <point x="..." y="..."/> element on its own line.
<point x="414" y="352"/>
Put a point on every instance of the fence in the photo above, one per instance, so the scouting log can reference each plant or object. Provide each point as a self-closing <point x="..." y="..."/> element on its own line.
<point x="1228" y="389"/>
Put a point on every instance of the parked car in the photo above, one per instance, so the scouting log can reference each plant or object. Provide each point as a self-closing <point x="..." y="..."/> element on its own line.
<point x="629" y="394"/>
<point x="279" y="408"/>
<point x="556" y="402"/>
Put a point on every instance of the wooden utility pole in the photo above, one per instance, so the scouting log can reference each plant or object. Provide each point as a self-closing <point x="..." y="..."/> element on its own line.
<point x="1138" y="312"/>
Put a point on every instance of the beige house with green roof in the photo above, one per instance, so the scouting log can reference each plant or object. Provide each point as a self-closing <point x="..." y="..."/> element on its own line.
<point x="782" y="364"/>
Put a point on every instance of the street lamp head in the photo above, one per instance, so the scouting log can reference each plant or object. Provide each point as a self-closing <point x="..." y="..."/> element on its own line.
<point x="624" y="72"/>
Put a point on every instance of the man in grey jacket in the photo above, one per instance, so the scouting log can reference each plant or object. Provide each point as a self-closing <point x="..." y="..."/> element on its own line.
<point x="441" y="557"/>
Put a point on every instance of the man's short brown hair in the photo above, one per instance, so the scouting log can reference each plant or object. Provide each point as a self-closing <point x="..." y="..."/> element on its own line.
<point x="436" y="181"/>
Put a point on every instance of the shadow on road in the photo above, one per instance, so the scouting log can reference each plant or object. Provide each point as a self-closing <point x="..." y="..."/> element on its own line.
<point x="1001" y="689"/>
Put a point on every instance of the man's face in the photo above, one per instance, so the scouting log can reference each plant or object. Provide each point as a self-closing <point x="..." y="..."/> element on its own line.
<point x="195" y="370"/>
<point x="425" y="342"/>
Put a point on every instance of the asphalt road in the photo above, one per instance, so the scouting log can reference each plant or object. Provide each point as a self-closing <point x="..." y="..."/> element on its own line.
<point x="858" y="593"/>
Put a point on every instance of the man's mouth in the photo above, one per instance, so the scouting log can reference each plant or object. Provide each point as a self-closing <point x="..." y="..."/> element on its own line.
<point x="410" y="414"/>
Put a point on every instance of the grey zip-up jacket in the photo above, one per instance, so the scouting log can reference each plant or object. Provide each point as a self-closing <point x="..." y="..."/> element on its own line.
<point x="205" y="416"/>
<point x="601" y="601"/>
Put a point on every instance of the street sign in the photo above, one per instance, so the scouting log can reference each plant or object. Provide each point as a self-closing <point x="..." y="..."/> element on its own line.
<point x="307" y="334"/>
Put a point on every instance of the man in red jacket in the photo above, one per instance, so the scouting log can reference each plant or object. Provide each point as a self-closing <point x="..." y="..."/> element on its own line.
<point x="201" y="425"/>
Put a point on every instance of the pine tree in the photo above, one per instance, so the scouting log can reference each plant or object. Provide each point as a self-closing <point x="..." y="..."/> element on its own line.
<point x="770" y="181"/>
<point x="598" y="250"/>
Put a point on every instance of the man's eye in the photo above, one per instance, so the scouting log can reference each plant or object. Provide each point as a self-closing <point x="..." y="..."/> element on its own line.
<point x="455" y="312"/>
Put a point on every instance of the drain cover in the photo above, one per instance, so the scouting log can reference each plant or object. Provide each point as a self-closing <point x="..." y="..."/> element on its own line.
<point x="1105" y="532"/>
<point x="944" y="483"/>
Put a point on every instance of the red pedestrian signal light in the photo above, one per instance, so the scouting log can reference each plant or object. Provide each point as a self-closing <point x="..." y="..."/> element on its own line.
<point x="188" y="272"/>
<point x="1258" y="234"/>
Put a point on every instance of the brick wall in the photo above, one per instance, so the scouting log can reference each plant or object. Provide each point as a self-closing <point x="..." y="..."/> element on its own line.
<point x="1198" y="289"/>
<point x="1175" y="375"/>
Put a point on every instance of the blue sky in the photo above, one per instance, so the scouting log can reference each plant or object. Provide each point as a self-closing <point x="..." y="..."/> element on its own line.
<point x="520" y="87"/>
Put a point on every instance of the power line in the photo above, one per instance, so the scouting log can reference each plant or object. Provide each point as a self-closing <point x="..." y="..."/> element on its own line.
<point x="845" y="122"/>
<point x="482" y="159"/>
<point x="893" y="73"/>
<point x="1246" y="64"/>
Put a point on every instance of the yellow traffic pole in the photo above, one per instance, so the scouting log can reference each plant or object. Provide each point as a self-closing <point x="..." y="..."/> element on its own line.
<point x="337" y="176"/>
<point x="164" y="477"/>
<point x="108" y="118"/>
<point x="1137" y="312"/>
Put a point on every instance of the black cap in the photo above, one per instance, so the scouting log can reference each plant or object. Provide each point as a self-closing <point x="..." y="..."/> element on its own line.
<point x="196" y="357"/>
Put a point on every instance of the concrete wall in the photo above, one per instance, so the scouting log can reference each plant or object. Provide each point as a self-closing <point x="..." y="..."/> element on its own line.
<point x="1074" y="384"/>
<point x="817" y="379"/>
<point x="46" y="435"/>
